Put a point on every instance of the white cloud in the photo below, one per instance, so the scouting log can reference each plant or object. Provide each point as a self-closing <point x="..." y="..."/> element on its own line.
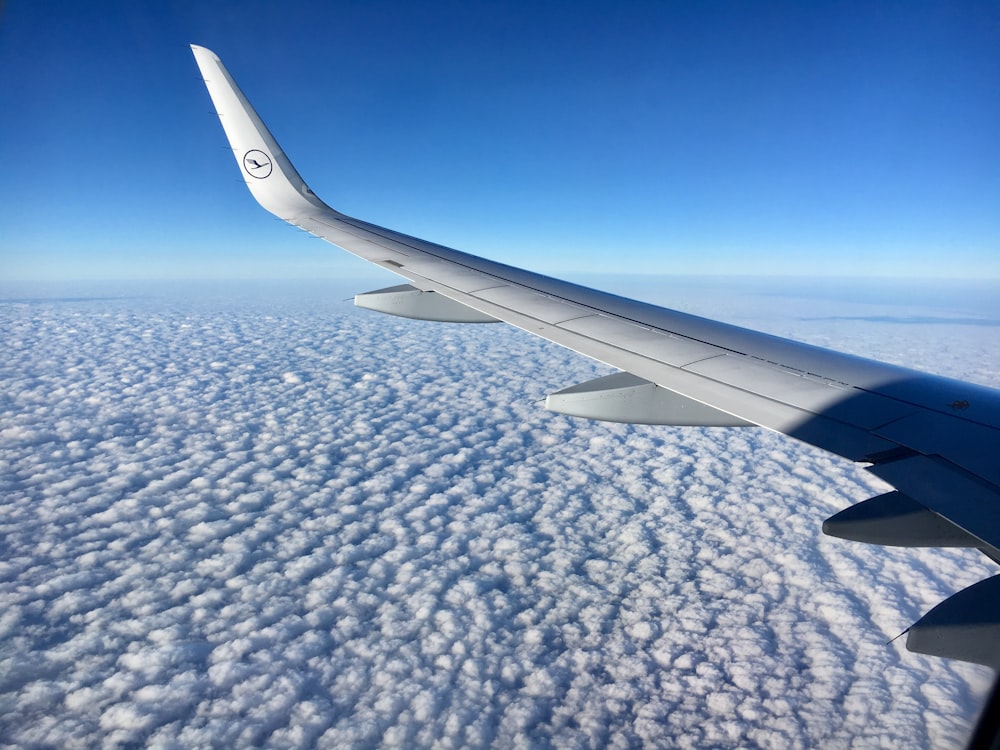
<point x="285" y="522"/>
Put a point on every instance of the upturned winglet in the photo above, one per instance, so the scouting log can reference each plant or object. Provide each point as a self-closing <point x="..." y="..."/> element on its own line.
<point x="268" y="173"/>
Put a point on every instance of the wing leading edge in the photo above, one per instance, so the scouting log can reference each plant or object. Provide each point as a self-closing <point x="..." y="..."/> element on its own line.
<point x="934" y="439"/>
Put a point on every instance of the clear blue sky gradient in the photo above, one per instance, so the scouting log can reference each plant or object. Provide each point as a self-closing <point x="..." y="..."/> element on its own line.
<point x="764" y="138"/>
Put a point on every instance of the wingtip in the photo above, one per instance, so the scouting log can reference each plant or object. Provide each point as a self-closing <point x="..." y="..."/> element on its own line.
<point x="198" y="49"/>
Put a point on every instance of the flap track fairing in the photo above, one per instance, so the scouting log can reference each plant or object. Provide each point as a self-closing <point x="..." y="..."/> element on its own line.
<point x="406" y="301"/>
<point x="965" y="626"/>
<point x="623" y="397"/>
<point x="896" y="520"/>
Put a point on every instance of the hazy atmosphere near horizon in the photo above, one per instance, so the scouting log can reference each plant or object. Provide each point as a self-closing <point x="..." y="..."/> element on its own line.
<point x="237" y="511"/>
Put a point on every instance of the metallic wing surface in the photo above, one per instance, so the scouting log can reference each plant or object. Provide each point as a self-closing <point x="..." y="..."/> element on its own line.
<point x="936" y="440"/>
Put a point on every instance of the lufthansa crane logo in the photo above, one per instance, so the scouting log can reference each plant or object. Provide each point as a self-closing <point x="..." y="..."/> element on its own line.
<point x="257" y="164"/>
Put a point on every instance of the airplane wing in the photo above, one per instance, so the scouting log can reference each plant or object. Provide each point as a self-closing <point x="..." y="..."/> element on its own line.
<point x="936" y="440"/>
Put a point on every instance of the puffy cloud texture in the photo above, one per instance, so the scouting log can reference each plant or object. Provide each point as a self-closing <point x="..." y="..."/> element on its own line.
<point x="257" y="516"/>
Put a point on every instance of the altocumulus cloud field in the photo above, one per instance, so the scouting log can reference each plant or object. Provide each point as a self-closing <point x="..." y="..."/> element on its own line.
<point x="259" y="516"/>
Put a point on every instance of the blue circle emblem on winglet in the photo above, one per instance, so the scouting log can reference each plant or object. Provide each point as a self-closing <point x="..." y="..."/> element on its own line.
<point x="257" y="164"/>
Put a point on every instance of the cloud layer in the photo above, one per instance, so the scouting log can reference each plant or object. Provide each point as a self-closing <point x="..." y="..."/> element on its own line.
<point x="268" y="518"/>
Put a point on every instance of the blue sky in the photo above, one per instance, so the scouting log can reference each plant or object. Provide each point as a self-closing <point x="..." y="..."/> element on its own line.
<point x="721" y="138"/>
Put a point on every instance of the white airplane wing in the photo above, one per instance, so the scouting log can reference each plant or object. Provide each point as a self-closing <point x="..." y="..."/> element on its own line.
<point x="937" y="441"/>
